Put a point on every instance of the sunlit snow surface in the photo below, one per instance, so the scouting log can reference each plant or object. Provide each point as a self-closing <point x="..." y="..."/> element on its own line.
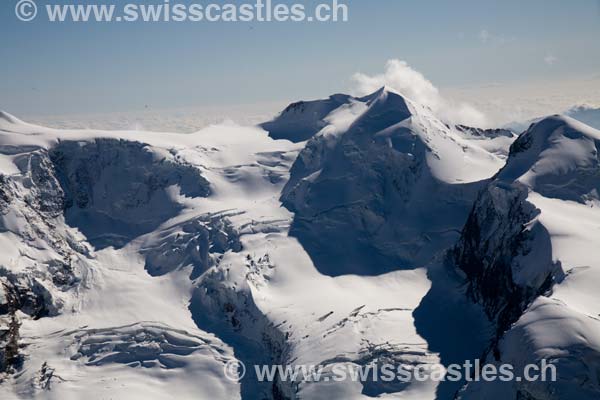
<point x="556" y="163"/>
<point x="195" y="266"/>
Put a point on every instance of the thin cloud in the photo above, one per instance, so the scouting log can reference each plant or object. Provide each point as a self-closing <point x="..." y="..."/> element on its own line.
<point x="487" y="37"/>
<point x="484" y="36"/>
<point x="550" y="59"/>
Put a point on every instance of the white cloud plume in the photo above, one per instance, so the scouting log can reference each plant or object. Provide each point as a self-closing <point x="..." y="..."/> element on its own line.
<point x="400" y="77"/>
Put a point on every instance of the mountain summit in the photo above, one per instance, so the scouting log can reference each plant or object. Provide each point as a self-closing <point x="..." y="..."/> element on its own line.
<point x="346" y="232"/>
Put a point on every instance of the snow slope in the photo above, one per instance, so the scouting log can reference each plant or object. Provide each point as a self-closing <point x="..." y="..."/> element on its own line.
<point x="392" y="189"/>
<point x="92" y="322"/>
<point x="530" y="249"/>
<point x="302" y="120"/>
<point x="138" y="264"/>
<point x="117" y="322"/>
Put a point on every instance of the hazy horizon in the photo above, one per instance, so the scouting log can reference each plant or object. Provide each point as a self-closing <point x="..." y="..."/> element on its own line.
<point x="52" y="69"/>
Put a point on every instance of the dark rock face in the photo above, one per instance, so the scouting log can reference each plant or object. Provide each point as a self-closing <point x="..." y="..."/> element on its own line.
<point x="112" y="191"/>
<point x="10" y="358"/>
<point x="47" y="195"/>
<point x="507" y="255"/>
<point x="5" y="194"/>
<point x="485" y="133"/>
<point x="19" y="293"/>
<point x="366" y="201"/>
<point x="35" y="200"/>
<point x="231" y="313"/>
<point x="26" y="294"/>
<point x="116" y="190"/>
<point x="504" y="251"/>
<point x="496" y="242"/>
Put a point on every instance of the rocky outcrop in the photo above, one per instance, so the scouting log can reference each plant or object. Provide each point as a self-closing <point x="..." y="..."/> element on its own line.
<point x="223" y="304"/>
<point x="111" y="191"/>
<point x="521" y="257"/>
<point x="369" y="200"/>
<point x="199" y="242"/>
<point x="116" y="190"/>
<point x="499" y="241"/>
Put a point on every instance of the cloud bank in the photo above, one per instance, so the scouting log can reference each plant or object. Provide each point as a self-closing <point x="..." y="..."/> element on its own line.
<point x="399" y="76"/>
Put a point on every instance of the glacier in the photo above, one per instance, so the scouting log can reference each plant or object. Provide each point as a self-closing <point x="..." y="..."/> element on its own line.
<point x="352" y="231"/>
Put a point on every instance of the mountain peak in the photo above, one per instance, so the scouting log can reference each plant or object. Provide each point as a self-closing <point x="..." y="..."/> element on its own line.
<point x="385" y="109"/>
<point x="303" y="119"/>
<point x="554" y="126"/>
<point x="556" y="157"/>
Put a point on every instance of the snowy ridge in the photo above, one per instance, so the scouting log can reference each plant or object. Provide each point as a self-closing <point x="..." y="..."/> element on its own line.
<point x="73" y="207"/>
<point x="302" y="120"/>
<point x="364" y="190"/>
<point x="529" y="250"/>
<point x="587" y="114"/>
<point x="138" y="264"/>
<point x="213" y="260"/>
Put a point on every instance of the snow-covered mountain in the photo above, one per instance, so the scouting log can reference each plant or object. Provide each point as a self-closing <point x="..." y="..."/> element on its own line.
<point x="389" y="190"/>
<point x="530" y="252"/>
<point x="587" y="114"/>
<point x="347" y="231"/>
<point x="302" y="120"/>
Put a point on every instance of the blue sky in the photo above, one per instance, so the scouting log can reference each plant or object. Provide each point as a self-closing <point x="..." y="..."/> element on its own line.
<point x="48" y="68"/>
